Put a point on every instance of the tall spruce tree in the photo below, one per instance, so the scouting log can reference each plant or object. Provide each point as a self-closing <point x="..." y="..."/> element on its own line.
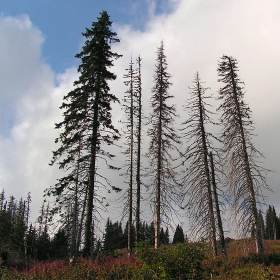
<point x="197" y="174"/>
<point x="87" y="124"/>
<point x="163" y="140"/>
<point x="245" y="178"/>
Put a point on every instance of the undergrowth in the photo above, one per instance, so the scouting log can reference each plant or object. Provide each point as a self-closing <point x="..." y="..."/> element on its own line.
<point x="181" y="262"/>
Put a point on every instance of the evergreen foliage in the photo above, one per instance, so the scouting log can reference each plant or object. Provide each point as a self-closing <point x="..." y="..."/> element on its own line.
<point x="13" y="224"/>
<point x="60" y="245"/>
<point x="115" y="237"/>
<point x="272" y="228"/>
<point x="164" y="236"/>
<point x="20" y="240"/>
<point x="179" y="236"/>
<point x="87" y="127"/>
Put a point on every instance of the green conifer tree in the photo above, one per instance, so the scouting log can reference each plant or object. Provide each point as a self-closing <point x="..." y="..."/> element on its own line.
<point x="87" y="124"/>
<point x="271" y="223"/>
<point x="178" y="235"/>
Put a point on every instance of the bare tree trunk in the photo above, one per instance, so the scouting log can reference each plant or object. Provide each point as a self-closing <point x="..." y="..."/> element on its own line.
<point x="163" y="140"/>
<point x="93" y="235"/>
<point x="79" y="237"/>
<point x="211" y="208"/>
<point x="254" y="211"/>
<point x="26" y="222"/>
<point x="158" y="178"/>
<point x="89" y="215"/>
<point x="74" y="224"/>
<point x="207" y="173"/>
<point x="75" y="212"/>
<point x="129" y="225"/>
<point x="129" y="241"/>
<point x="218" y="212"/>
<point x="157" y="215"/>
<point x="138" y="163"/>
<point x="46" y="219"/>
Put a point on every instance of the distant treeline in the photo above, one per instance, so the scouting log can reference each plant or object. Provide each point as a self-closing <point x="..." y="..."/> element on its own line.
<point x="270" y="226"/>
<point x="115" y="237"/>
<point x="21" y="240"/>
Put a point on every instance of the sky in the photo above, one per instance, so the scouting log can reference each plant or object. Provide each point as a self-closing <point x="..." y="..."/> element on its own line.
<point x="39" y="40"/>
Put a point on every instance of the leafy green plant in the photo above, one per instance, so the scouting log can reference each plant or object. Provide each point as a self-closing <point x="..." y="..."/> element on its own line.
<point x="172" y="262"/>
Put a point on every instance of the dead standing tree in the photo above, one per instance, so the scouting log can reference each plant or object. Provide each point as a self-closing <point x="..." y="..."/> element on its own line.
<point x="245" y="178"/>
<point x="138" y="134"/>
<point x="128" y="105"/>
<point x="217" y="207"/>
<point x="197" y="174"/>
<point x="163" y="140"/>
<point x="132" y="104"/>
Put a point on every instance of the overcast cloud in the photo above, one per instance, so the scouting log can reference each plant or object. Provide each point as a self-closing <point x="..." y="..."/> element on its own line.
<point x="196" y="34"/>
<point x="29" y="103"/>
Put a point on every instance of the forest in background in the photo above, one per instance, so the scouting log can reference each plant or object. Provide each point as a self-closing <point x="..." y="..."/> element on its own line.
<point x="33" y="252"/>
<point x="21" y="240"/>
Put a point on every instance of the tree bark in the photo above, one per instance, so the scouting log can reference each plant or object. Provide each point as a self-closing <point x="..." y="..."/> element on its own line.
<point x="79" y="238"/>
<point x="89" y="215"/>
<point x="254" y="211"/>
<point x="159" y="164"/>
<point x="207" y="173"/>
<point x="129" y="241"/>
<point x="138" y="164"/>
<point x="218" y="212"/>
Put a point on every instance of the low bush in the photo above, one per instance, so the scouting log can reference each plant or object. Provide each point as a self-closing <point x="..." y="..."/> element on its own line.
<point x="181" y="261"/>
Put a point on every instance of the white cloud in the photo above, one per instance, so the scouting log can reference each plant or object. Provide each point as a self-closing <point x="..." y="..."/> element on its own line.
<point x="20" y="54"/>
<point x="30" y="100"/>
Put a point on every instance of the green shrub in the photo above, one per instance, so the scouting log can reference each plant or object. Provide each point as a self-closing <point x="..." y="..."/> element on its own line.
<point x="181" y="261"/>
